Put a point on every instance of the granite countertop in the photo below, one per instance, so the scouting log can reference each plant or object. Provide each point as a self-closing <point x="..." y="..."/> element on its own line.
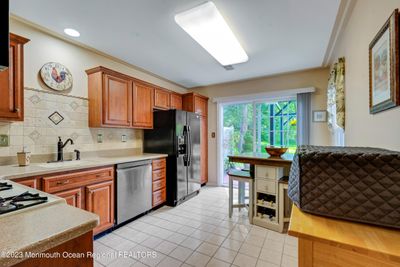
<point x="42" y="227"/>
<point x="36" y="169"/>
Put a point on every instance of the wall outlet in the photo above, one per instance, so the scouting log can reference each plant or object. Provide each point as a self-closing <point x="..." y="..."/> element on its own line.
<point x="4" y="140"/>
<point x="123" y="138"/>
<point x="99" y="138"/>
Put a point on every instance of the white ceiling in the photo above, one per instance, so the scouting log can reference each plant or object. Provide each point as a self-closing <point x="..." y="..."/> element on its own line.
<point x="278" y="35"/>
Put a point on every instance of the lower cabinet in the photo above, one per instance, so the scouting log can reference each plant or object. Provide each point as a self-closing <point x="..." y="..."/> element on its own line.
<point x="100" y="200"/>
<point x="159" y="181"/>
<point x="92" y="190"/>
<point x="73" y="197"/>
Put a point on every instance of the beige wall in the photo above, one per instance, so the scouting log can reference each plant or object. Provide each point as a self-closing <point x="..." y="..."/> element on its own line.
<point x="317" y="78"/>
<point x="363" y="129"/>
<point x="44" y="48"/>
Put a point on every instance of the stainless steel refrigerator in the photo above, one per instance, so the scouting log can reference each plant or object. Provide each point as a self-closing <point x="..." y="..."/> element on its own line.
<point x="177" y="133"/>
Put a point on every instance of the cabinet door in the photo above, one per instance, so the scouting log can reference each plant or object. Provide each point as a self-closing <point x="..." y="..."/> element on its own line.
<point x="175" y="101"/>
<point x="99" y="199"/>
<point x="73" y="197"/>
<point x="142" y="106"/>
<point x="12" y="83"/>
<point x="204" y="149"/>
<point x="161" y="99"/>
<point x="117" y="97"/>
<point x="200" y="106"/>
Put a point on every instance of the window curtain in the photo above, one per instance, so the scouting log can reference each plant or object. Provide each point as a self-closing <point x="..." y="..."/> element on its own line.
<point x="303" y="118"/>
<point x="336" y="102"/>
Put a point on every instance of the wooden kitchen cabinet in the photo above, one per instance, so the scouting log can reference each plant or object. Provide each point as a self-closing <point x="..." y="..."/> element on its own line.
<point x="100" y="200"/>
<point x="161" y="99"/>
<point x="142" y="106"/>
<point x="175" y="101"/>
<point x="159" y="181"/>
<point x="204" y="150"/>
<point x="72" y="197"/>
<point x="91" y="189"/>
<point x="194" y="102"/>
<point x="12" y="82"/>
<point x="110" y="98"/>
<point x="117" y="101"/>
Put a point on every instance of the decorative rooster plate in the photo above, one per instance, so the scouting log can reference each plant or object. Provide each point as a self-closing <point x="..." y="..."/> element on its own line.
<point x="56" y="76"/>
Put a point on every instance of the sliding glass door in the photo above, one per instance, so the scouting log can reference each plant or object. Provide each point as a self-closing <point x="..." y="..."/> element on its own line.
<point x="250" y="127"/>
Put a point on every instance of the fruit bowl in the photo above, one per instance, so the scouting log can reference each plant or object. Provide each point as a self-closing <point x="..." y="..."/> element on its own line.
<point x="276" y="152"/>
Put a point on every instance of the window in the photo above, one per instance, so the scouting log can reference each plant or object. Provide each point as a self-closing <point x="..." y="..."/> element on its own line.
<point x="250" y="127"/>
<point x="275" y="125"/>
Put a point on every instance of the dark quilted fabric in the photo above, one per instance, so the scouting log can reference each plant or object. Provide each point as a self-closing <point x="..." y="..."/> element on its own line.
<point x="352" y="183"/>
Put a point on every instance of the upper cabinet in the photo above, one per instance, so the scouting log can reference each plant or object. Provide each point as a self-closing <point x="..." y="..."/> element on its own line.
<point x="117" y="100"/>
<point x="175" y="101"/>
<point x="161" y="99"/>
<point x="142" y="105"/>
<point x="121" y="101"/>
<point x="12" y="82"/>
<point x="195" y="103"/>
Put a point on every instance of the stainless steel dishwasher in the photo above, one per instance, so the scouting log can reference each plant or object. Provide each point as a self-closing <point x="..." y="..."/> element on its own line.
<point x="134" y="189"/>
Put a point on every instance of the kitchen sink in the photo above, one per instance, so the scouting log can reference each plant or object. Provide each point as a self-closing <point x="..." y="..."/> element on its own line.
<point x="63" y="164"/>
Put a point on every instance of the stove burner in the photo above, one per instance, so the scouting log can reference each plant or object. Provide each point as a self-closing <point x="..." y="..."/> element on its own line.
<point x="21" y="201"/>
<point x="5" y="186"/>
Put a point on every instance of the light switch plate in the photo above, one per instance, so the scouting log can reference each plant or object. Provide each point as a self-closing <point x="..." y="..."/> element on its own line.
<point x="123" y="138"/>
<point x="99" y="138"/>
<point x="4" y="140"/>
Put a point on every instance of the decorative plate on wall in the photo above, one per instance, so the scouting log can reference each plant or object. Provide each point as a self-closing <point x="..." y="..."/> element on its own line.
<point x="56" y="76"/>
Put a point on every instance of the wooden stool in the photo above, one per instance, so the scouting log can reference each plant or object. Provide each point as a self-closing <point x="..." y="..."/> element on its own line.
<point x="241" y="177"/>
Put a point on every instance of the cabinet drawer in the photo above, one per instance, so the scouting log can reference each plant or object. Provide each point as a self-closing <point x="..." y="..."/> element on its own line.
<point x="159" y="184"/>
<point x="56" y="183"/>
<point x="159" y="164"/>
<point x="266" y="186"/>
<point x="266" y="172"/>
<point x="159" y="174"/>
<point x="159" y="197"/>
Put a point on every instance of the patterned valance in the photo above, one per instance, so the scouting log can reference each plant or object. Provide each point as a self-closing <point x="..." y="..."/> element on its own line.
<point x="336" y="101"/>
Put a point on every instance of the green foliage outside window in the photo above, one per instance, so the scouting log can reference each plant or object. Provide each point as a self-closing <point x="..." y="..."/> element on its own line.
<point x="250" y="127"/>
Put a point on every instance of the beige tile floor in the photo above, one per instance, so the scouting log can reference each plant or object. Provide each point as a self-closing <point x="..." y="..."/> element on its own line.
<point x="197" y="233"/>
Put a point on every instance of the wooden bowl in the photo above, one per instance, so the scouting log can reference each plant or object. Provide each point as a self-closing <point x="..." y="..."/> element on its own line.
<point x="276" y="152"/>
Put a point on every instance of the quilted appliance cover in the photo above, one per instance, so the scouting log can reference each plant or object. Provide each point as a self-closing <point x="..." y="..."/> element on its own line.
<point x="351" y="183"/>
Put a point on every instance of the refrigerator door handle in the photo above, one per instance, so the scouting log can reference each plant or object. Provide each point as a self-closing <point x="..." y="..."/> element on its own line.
<point x="190" y="146"/>
<point x="186" y="137"/>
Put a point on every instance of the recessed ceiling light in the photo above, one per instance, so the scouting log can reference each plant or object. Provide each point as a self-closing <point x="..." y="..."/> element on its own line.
<point x="72" y="32"/>
<point x="206" y="26"/>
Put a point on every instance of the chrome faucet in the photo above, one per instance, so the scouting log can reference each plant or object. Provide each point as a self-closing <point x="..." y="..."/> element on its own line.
<point x="60" y="147"/>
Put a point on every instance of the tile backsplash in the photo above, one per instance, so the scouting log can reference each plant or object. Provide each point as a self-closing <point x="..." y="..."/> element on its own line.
<point x="49" y="115"/>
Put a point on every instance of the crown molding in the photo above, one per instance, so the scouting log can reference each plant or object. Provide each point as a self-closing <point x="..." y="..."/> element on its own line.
<point x="343" y="16"/>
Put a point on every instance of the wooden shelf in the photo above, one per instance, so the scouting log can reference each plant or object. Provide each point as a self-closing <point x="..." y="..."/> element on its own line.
<point x="266" y="206"/>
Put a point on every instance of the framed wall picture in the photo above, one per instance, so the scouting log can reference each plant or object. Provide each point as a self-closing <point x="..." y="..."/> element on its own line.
<point x="319" y="116"/>
<point x="384" y="67"/>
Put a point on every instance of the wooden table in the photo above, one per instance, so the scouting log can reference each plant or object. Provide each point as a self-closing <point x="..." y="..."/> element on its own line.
<point x="262" y="159"/>
<point x="326" y="242"/>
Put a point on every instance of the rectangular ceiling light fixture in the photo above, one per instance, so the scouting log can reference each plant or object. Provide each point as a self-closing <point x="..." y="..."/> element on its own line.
<point x="206" y="26"/>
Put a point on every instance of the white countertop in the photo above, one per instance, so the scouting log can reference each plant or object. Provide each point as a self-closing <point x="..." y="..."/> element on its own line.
<point x="36" y="169"/>
<point x="39" y="228"/>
